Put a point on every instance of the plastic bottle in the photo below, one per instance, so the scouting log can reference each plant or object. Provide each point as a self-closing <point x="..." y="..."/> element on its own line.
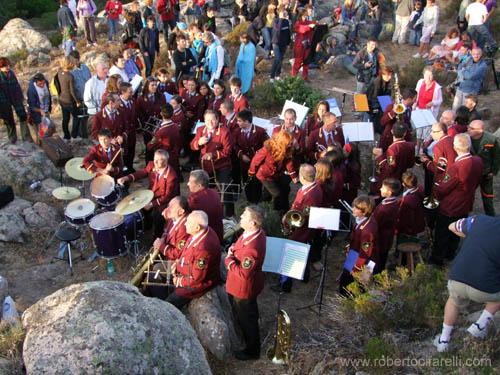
<point x="110" y="268"/>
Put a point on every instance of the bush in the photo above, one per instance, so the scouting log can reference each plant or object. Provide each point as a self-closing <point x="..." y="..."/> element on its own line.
<point x="55" y="39"/>
<point x="411" y="73"/>
<point x="46" y="21"/>
<point x="11" y="345"/>
<point x="234" y="36"/>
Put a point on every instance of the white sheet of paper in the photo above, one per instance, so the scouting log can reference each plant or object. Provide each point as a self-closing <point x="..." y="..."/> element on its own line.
<point x="136" y="82"/>
<point x="293" y="263"/>
<point x="370" y="266"/>
<point x="358" y="131"/>
<point x="299" y="109"/>
<point x="421" y="118"/>
<point x="324" y="218"/>
<point x="196" y="126"/>
<point x="264" y="123"/>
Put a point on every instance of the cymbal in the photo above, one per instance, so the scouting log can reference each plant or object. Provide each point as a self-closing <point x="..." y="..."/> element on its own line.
<point x="75" y="170"/>
<point x="66" y="193"/>
<point x="134" y="202"/>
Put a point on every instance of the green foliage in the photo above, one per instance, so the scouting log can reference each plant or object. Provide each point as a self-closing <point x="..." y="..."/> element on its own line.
<point x="233" y="37"/>
<point x="11" y="345"/>
<point x="272" y="220"/>
<point x="411" y="73"/>
<point x="399" y="301"/>
<point x="19" y="55"/>
<point x="55" y="39"/>
<point x="46" y="21"/>
<point x="263" y="97"/>
<point x="25" y="9"/>
<point x="377" y="347"/>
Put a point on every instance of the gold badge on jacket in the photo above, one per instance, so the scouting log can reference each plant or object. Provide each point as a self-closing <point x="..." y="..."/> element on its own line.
<point x="390" y="160"/>
<point x="366" y="245"/>
<point x="201" y="263"/>
<point x="181" y="244"/>
<point x="247" y="263"/>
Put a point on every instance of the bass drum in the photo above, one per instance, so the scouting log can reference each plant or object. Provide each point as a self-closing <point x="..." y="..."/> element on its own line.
<point x="80" y="211"/>
<point x="108" y="231"/>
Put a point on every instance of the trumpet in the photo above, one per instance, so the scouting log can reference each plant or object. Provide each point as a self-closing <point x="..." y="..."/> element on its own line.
<point x="292" y="220"/>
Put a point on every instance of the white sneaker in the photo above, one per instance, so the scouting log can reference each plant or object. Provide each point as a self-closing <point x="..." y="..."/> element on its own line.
<point x="441" y="346"/>
<point x="417" y="55"/>
<point x="278" y="78"/>
<point x="271" y="80"/>
<point x="478" y="332"/>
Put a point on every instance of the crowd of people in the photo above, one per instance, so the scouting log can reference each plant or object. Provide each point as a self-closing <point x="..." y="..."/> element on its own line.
<point x="193" y="116"/>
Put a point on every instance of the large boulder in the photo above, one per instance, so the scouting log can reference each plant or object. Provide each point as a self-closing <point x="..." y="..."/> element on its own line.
<point x="212" y="319"/>
<point x="19" y="170"/>
<point x="12" y="227"/>
<point x="41" y="215"/>
<point x="109" y="327"/>
<point x="18" y="35"/>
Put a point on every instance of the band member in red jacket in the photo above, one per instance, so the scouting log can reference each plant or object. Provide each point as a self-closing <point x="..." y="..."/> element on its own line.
<point x="201" y="197"/>
<point x="228" y="118"/>
<point x="167" y="138"/>
<point x="298" y="135"/>
<point x="218" y="97"/>
<point x="110" y="117"/>
<point x="247" y="139"/>
<point x="148" y="105"/>
<point x="245" y="279"/>
<point x="389" y="118"/>
<point x="198" y="269"/>
<point x="178" y="116"/>
<point x="320" y="139"/>
<point x="363" y="239"/>
<point x="411" y="216"/>
<point x="455" y="194"/>
<point x="269" y="164"/>
<point x="127" y="109"/>
<point x="315" y="121"/>
<point x="164" y="183"/>
<point x="193" y="103"/>
<point x="399" y="157"/>
<point x="104" y="158"/>
<point x="302" y="47"/>
<point x="386" y="216"/>
<point x="239" y="100"/>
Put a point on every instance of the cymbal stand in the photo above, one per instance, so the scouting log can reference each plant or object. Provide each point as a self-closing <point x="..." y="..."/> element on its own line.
<point x="134" y="244"/>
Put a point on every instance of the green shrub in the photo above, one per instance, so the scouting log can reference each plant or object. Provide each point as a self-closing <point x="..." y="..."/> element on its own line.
<point x="234" y="35"/>
<point x="19" y="56"/>
<point x="46" y="21"/>
<point x="263" y="97"/>
<point x="411" y="73"/>
<point x="55" y="39"/>
<point x="377" y="347"/>
<point x="11" y="345"/>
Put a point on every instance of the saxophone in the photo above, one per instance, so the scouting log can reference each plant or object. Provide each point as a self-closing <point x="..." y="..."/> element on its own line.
<point x="280" y="353"/>
<point x="399" y="107"/>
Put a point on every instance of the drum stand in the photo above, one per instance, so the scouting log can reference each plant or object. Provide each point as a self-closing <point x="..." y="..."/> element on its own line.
<point x="134" y="246"/>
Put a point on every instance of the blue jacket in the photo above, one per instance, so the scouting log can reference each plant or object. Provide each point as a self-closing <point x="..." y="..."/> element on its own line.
<point x="471" y="76"/>
<point x="34" y="102"/>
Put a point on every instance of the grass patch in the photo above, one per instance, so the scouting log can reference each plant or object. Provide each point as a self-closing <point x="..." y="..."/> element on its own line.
<point x="19" y="56"/>
<point x="11" y="346"/>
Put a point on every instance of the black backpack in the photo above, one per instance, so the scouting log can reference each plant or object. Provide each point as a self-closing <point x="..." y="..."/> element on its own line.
<point x="6" y="195"/>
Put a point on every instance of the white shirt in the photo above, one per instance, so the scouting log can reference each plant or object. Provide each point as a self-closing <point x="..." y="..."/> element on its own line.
<point x="476" y="13"/>
<point x="115" y="70"/>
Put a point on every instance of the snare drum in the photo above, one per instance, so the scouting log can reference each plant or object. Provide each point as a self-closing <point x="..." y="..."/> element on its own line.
<point x="79" y="211"/>
<point x="108" y="231"/>
<point x="134" y="223"/>
<point x="105" y="191"/>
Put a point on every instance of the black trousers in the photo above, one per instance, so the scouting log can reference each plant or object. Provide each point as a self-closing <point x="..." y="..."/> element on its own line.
<point x="279" y="189"/>
<point x="445" y="242"/>
<point x="246" y="314"/>
<point x="69" y="111"/>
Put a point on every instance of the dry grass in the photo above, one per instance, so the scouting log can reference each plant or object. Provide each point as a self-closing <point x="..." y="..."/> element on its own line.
<point x="234" y="36"/>
<point x="11" y="346"/>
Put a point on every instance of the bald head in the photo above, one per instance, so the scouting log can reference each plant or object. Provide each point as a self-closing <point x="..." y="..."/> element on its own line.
<point x="307" y="174"/>
<point x="476" y="129"/>
<point x="447" y="118"/>
<point x="462" y="143"/>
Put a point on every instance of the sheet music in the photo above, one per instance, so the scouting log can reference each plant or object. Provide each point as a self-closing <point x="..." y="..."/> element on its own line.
<point x="358" y="131"/>
<point x="421" y="118"/>
<point x="324" y="218"/>
<point x="263" y="123"/>
<point x="136" y="82"/>
<point x="334" y="107"/>
<point x="299" y="109"/>
<point x="274" y="253"/>
<point x="293" y="263"/>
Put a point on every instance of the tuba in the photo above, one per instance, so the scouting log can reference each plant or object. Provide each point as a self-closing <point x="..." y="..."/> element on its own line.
<point x="292" y="220"/>
<point x="280" y="353"/>
<point x="430" y="202"/>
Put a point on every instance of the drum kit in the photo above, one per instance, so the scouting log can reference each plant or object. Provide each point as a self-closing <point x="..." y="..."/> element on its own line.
<point x="116" y="223"/>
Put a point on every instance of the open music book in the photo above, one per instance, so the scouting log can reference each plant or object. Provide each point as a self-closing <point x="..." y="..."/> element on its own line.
<point x="358" y="131"/>
<point x="421" y="118"/>
<point x="286" y="257"/>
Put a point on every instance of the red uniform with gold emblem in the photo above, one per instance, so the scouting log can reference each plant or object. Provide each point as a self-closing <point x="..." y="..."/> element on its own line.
<point x="411" y="215"/>
<point x="443" y="157"/>
<point x="386" y="216"/>
<point x="312" y="123"/>
<point x="319" y="140"/>
<point x="168" y="138"/>
<point x="180" y="119"/>
<point x="193" y="108"/>
<point x="174" y="238"/>
<point x="247" y="143"/>
<point x="127" y="109"/>
<point x="149" y="106"/>
<point x="388" y="120"/>
<point x="364" y="240"/>
<point x="245" y="279"/>
<point x="399" y="157"/>
<point x="265" y="168"/>
<point x="230" y="122"/>
<point x="215" y="103"/>
<point x="98" y="158"/>
<point x="299" y="147"/>
<point x="219" y="146"/>
<point x="240" y="102"/>
<point x="307" y="196"/>
<point x="107" y="120"/>
<point x="199" y="265"/>
<point x="208" y="200"/>
<point x="165" y="186"/>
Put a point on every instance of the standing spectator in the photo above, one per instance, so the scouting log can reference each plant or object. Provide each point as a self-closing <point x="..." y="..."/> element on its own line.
<point x="149" y="44"/>
<point x="183" y="58"/>
<point x="429" y="93"/>
<point x="118" y="68"/>
<point x="367" y="62"/>
<point x="66" y="21"/>
<point x="214" y="58"/>
<point x="476" y="15"/>
<point x="268" y="28"/>
<point x="403" y="12"/>
<point x="487" y="147"/>
<point x="39" y="103"/>
<point x="282" y="35"/>
<point x="470" y="75"/>
<point x="147" y="11"/>
<point x="95" y="87"/>
<point x="85" y="10"/>
<point x="414" y="28"/>
<point x="11" y="95"/>
<point x="474" y="276"/>
<point x="191" y="12"/>
<point x="302" y="47"/>
<point x="167" y="16"/>
<point x="429" y="20"/>
<point x="134" y="22"/>
<point x="245" y="63"/>
<point x="470" y="103"/>
<point x="381" y="86"/>
<point x="207" y="21"/>
<point x="461" y="20"/>
<point x="373" y="18"/>
<point x="81" y="73"/>
<point x="67" y="98"/>
<point x="113" y="9"/>
<point x="240" y="13"/>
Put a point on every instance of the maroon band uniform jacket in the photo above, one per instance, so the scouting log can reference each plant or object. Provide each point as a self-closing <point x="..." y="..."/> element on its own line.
<point x="208" y="201"/>
<point x="411" y="212"/>
<point x="168" y="138"/>
<point x="240" y="102"/>
<point x="307" y="196"/>
<point x="165" y="186"/>
<point x="149" y="106"/>
<point x="364" y="241"/>
<point x="456" y="190"/>
<point x="299" y="147"/>
<point x="247" y="143"/>
<point x="388" y="120"/>
<point x="127" y="110"/>
<point x="193" y="108"/>
<point x="265" y="168"/>
<point x="174" y="238"/>
<point x="230" y="122"/>
<point x="245" y="279"/>
<point x="215" y="103"/>
<point x="399" y="157"/>
<point x="219" y="146"/>
<point x="317" y="142"/>
<point x="114" y="122"/>
<point x="312" y="124"/>
<point x="443" y="157"/>
<point x="199" y="265"/>
<point x="97" y="157"/>
<point x="386" y="216"/>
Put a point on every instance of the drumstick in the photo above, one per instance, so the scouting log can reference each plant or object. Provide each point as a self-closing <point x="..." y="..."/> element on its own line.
<point x="114" y="157"/>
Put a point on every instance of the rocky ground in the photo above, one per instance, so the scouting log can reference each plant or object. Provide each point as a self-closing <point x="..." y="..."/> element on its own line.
<point x="31" y="274"/>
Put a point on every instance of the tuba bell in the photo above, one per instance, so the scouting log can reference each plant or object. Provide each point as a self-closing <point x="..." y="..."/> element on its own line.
<point x="430" y="202"/>
<point x="280" y="353"/>
<point x="293" y="219"/>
